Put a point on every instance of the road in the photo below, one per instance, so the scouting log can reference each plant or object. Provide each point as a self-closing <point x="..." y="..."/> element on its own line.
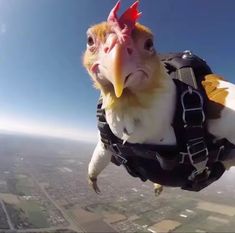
<point x="34" y="230"/>
<point x="40" y="230"/>
<point x="72" y="225"/>
<point x="7" y="215"/>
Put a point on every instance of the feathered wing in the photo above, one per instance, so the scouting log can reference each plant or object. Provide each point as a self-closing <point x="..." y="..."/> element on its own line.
<point x="100" y="159"/>
<point x="221" y="109"/>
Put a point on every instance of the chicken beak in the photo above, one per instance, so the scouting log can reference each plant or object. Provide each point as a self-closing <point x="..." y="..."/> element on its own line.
<point x="118" y="63"/>
<point x="118" y="81"/>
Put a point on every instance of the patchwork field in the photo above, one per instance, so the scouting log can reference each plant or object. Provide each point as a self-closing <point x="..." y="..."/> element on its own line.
<point x="9" y="198"/>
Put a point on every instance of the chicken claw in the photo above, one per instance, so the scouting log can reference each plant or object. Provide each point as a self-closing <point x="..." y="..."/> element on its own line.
<point x="93" y="183"/>
<point x="157" y="189"/>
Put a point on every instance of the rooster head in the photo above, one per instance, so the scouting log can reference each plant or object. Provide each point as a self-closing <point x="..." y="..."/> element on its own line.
<point x="120" y="56"/>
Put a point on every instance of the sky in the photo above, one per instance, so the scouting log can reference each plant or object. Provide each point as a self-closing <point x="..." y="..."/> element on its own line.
<point x="45" y="89"/>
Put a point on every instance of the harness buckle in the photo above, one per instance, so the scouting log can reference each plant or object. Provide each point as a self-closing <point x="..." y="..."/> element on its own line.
<point x="221" y="150"/>
<point x="196" y="174"/>
<point x="182" y="158"/>
<point x="197" y="151"/>
<point x="117" y="153"/>
<point x="197" y="108"/>
<point x="198" y="156"/>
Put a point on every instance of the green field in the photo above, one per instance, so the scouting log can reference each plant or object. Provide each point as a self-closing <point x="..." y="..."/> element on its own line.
<point x="26" y="213"/>
<point x="34" y="213"/>
<point x="19" y="185"/>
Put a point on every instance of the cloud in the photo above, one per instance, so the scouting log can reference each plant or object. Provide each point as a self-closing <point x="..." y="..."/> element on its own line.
<point x="3" y="28"/>
<point x="35" y="128"/>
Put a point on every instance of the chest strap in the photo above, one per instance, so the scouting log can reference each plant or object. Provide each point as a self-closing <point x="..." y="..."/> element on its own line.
<point x="190" y="130"/>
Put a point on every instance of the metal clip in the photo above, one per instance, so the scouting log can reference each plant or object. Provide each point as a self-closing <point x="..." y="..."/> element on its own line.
<point x="221" y="149"/>
<point x="117" y="153"/>
<point x="182" y="159"/>
<point x="191" y="149"/>
<point x="195" y="173"/>
<point x="187" y="54"/>
<point x="200" y="166"/>
<point x="199" y="108"/>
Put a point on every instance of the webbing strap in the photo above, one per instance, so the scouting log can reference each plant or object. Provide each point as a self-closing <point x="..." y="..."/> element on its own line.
<point x="186" y="75"/>
<point x="190" y="133"/>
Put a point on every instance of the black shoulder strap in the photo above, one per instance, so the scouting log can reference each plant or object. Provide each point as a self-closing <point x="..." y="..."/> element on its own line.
<point x="186" y="67"/>
<point x="189" y="126"/>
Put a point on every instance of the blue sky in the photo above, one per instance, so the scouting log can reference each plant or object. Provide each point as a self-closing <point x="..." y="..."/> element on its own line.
<point x="43" y="86"/>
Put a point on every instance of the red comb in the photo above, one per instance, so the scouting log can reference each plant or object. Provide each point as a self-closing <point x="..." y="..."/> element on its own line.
<point x="113" y="13"/>
<point x="125" y="24"/>
<point x="131" y="15"/>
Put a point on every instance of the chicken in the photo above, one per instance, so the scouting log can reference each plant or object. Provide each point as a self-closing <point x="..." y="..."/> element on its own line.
<point x="139" y="97"/>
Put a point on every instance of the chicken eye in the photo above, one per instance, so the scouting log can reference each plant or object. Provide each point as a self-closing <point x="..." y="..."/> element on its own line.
<point x="148" y="45"/>
<point x="90" y="41"/>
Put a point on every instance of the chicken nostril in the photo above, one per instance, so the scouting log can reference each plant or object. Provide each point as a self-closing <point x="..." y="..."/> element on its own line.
<point x="129" y="51"/>
<point x="127" y="77"/>
<point x="94" y="68"/>
<point x="106" y="49"/>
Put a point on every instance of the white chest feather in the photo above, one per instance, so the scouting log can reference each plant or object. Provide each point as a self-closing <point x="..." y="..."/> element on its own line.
<point x="146" y="125"/>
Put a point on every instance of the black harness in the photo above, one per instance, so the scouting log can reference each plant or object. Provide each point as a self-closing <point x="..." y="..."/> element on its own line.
<point x="195" y="162"/>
